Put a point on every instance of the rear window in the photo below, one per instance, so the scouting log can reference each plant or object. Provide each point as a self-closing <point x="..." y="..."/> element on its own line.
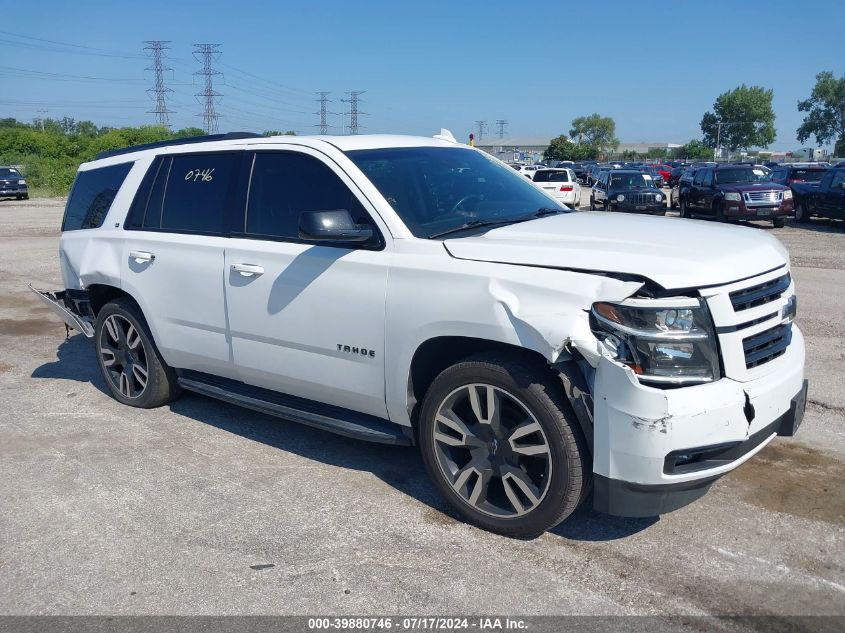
<point x="551" y="176"/>
<point x="92" y="196"/>
<point x="808" y="175"/>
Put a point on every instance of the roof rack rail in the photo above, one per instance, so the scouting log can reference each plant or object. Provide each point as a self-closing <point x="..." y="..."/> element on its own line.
<point x="229" y="136"/>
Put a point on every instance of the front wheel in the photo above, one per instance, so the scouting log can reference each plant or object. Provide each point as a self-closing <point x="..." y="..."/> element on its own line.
<point x="718" y="212"/>
<point x="129" y="361"/>
<point x="683" y="209"/>
<point x="801" y="214"/>
<point x="592" y="203"/>
<point x="778" y="223"/>
<point x="501" y="443"/>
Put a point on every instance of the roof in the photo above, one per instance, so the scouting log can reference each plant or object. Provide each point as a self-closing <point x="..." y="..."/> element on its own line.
<point x="238" y="140"/>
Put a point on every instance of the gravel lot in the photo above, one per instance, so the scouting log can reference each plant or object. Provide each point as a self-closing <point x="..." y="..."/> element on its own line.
<point x="204" y="508"/>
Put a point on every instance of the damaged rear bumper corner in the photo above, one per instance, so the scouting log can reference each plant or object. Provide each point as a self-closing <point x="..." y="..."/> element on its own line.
<point x="72" y="307"/>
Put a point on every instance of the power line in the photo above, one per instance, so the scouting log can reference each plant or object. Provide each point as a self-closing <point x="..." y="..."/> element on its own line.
<point x="481" y="126"/>
<point x="323" y="101"/>
<point x="501" y="123"/>
<point x="156" y="49"/>
<point x="206" y="54"/>
<point x="354" y="112"/>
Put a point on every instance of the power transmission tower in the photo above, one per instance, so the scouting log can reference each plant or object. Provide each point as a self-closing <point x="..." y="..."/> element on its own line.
<point x="501" y="123"/>
<point x="206" y="54"/>
<point x="156" y="50"/>
<point x="354" y="112"/>
<point x="40" y="119"/>
<point x="482" y="127"/>
<point x="324" y="112"/>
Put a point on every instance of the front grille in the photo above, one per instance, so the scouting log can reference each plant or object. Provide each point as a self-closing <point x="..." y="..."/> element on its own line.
<point x="640" y="198"/>
<point x="767" y="345"/>
<point x="760" y="294"/>
<point x="763" y="196"/>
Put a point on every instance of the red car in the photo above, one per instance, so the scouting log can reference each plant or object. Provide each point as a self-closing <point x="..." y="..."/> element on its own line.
<point x="664" y="170"/>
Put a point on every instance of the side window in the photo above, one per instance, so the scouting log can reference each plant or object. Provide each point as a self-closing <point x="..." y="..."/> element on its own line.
<point x="91" y="197"/>
<point x="286" y="184"/>
<point x="196" y="192"/>
<point x="137" y="217"/>
<point x="707" y="178"/>
<point x="698" y="176"/>
<point x="838" y="178"/>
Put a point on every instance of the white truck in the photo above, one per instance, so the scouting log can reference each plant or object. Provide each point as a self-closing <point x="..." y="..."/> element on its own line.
<point x="415" y="291"/>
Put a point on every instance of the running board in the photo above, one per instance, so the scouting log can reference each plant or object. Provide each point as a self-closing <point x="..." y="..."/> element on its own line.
<point x="359" y="426"/>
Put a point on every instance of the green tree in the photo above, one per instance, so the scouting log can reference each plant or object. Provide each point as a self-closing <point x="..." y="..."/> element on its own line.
<point x="741" y="118"/>
<point x="825" y="112"/>
<point x="695" y="149"/>
<point x="596" y="130"/>
<point x="561" y="148"/>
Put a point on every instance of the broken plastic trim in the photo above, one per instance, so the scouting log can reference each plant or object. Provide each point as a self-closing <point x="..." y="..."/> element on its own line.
<point x="59" y="302"/>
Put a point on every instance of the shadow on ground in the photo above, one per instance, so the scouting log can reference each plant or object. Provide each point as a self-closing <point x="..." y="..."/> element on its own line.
<point x="399" y="467"/>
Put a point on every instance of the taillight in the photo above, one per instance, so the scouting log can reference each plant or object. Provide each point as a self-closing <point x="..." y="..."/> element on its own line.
<point x="566" y="187"/>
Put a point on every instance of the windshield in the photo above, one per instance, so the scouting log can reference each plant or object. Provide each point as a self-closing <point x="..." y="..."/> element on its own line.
<point x="740" y="174"/>
<point x="435" y="189"/>
<point x="548" y="175"/>
<point x="8" y="171"/>
<point x="629" y="181"/>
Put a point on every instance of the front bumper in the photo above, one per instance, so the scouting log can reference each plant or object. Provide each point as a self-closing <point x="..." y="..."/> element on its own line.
<point x="658" y="208"/>
<point x="18" y="190"/>
<point x="739" y="209"/>
<point x="655" y="450"/>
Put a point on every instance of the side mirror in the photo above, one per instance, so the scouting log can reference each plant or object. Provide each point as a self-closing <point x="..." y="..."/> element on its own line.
<point x="332" y="226"/>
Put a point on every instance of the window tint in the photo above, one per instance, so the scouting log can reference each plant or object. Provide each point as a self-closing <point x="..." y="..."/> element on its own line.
<point x="196" y="191"/>
<point x="284" y="185"/>
<point x="91" y="197"/>
<point x="698" y="176"/>
<point x="707" y="178"/>
<point x="551" y="176"/>
<point x="838" y="178"/>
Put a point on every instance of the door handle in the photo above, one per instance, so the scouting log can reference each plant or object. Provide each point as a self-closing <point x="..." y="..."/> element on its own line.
<point x="142" y="256"/>
<point x="248" y="270"/>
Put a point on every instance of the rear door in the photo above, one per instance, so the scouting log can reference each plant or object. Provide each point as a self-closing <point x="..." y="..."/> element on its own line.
<point x="306" y="319"/>
<point x="834" y="199"/>
<point x="173" y="256"/>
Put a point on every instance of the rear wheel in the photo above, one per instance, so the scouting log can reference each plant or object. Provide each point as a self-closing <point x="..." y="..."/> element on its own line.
<point x="501" y="443"/>
<point x="801" y="214"/>
<point x="130" y="363"/>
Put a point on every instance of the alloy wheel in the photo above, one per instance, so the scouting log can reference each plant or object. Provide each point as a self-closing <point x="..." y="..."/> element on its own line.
<point x="492" y="450"/>
<point x="123" y="356"/>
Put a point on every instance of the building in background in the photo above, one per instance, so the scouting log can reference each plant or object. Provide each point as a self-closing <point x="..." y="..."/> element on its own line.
<point x="515" y="149"/>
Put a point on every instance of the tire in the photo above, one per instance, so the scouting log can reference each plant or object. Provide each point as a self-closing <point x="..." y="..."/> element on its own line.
<point x="548" y="484"/>
<point x="118" y="348"/>
<point x="592" y="204"/>
<point x="801" y="214"/>
<point x="683" y="209"/>
<point x="605" y="206"/>
<point x="779" y="223"/>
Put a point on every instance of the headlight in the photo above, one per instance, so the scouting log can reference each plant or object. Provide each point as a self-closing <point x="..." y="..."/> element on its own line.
<point x="658" y="197"/>
<point x="663" y="344"/>
<point x="21" y="182"/>
<point x="620" y="198"/>
<point x="787" y="195"/>
<point x="733" y="196"/>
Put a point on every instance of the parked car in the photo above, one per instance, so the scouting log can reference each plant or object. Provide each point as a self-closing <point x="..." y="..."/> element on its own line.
<point x="664" y="170"/>
<point x="681" y="184"/>
<point x="655" y="175"/>
<point x="560" y="184"/>
<point x="13" y="184"/>
<point x="824" y="198"/>
<point x="798" y="173"/>
<point x="736" y="192"/>
<point x="416" y="291"/>
<point x="628" y="190"/>
<point x="674" y="176"/>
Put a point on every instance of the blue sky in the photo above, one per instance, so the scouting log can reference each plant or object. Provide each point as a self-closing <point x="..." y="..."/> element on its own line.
<point x="655" y="67"/>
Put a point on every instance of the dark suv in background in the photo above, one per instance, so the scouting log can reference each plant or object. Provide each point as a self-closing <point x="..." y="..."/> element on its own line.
<point x="13" y="184"/>
<point x="740" y="192"/>
<point x="628" y="190"/>
<point x="791" y="174"/>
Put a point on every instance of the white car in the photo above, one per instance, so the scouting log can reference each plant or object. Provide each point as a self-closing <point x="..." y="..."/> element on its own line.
<point x="560" y="184"/>
<point x="415" y="291"/>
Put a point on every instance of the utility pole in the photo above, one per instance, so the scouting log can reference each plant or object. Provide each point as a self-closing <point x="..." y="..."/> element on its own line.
<point x="323" y="101"/>
<point x="40" y="119"/>
<point x="156" y="50"/>
<point x="501" y="123"/>
<point x="481" y="126"/>
<point x="354" y="112"/>
<point x="206" y="54"/>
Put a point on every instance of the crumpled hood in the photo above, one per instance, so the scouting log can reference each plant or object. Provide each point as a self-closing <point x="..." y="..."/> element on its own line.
<point x="674" y="253"/>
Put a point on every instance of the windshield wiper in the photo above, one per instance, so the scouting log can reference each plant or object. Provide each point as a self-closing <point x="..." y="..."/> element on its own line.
<point x="473" y="224"/>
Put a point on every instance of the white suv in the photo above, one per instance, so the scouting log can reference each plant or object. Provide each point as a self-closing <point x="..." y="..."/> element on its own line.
<point x="416" y="291"/>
